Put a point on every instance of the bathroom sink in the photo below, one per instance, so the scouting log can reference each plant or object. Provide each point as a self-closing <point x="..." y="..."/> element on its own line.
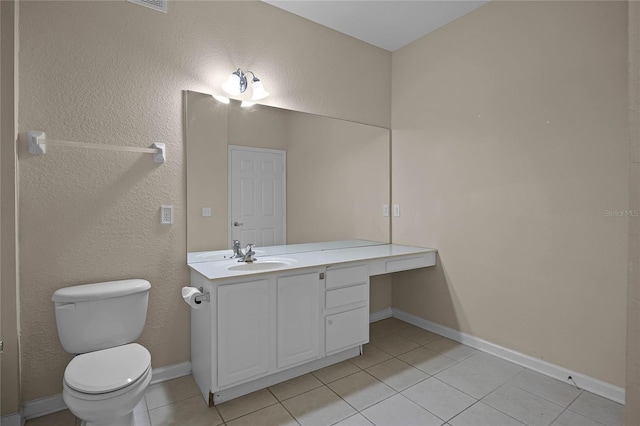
<point x="261" y="265"/>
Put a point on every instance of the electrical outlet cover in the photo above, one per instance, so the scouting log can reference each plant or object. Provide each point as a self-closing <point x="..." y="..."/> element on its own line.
<point x="166" y="215"/>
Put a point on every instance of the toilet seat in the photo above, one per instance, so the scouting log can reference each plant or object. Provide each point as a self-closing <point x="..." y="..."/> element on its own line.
<point x="107" y="370"/>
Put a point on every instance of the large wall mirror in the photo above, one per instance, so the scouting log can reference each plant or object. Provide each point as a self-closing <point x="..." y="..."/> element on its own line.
<point x="335" y="175"/>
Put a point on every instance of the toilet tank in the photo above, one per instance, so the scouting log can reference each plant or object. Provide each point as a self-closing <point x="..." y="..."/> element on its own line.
<point x="97" y="316"/>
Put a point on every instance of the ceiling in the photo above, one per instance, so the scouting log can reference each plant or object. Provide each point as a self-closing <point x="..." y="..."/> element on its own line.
<point x="389" y="24"/>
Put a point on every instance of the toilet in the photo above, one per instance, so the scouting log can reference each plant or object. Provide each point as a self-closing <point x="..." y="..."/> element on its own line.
<point x="108" y="376"/>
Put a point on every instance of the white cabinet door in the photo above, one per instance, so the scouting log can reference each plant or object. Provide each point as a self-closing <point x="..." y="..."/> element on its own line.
<point x="243" y="331"/>
<point x="346" y="329"/>
<point x="298" y="308"/>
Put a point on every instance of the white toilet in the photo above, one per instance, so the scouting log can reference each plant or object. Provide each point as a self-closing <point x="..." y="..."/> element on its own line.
<point x="109" y="376"/>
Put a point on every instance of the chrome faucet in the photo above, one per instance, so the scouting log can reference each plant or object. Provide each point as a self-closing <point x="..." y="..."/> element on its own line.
<point x="247" y="256"/>
<point x="237" y="253"/>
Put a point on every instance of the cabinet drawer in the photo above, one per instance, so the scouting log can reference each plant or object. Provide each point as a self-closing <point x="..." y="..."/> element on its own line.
<point x="347" y="329"/>
<point x="406" y="264"/>
<point x="346" y="276"/>
<point x="346" y="296"/>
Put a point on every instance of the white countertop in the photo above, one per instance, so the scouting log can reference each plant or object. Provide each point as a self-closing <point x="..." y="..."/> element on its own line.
<point x="219" y="269"/>
<point x="282" y="250"/>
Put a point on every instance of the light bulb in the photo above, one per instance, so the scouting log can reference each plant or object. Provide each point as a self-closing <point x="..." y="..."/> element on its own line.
<point x="258" y="90"/>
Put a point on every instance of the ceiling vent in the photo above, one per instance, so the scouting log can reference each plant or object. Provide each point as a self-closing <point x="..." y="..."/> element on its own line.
<point x="160" y="5"/>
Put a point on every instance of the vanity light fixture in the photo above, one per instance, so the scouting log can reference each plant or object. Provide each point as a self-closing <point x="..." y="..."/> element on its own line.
<point x="237" y="84"/>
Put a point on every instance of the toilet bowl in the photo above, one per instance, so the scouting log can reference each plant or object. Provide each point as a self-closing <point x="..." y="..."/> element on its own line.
<point x="104" y="387"/>
<point x="108" y="377"/>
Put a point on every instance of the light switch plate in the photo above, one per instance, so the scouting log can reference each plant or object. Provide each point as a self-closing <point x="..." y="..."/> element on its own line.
<point x="396" y="210"/>
<point x="206" y="211"/>
<point x="166" y="215"/>
<point x="385" y="210"/>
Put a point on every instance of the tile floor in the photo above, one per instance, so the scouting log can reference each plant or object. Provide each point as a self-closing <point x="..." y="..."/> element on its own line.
<point x="407" y="376"/>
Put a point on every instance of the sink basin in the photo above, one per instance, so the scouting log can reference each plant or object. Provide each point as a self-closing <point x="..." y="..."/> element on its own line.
<point x="261" y="265"/>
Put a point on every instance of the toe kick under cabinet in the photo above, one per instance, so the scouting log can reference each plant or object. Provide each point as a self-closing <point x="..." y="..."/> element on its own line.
<point x="260" y="329"/>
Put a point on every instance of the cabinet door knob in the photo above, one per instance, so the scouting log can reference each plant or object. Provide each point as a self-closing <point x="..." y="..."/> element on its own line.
<point x="330" y="322"/>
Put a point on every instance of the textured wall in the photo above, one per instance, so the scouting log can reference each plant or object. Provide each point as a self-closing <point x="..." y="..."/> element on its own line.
<point x="508" y="149"/>
<point x="113" y="72"/>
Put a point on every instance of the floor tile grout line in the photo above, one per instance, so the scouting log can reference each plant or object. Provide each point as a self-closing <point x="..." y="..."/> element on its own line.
<point x="369" y="406"/>
<point x="460" y="390"/>
<point x="305" y="392"/>
<point x="506" y="414"/>
<point x="219" y="414"/>
<point x="540" y="396"/>
<point x="531" y="393"/>
<point x="346" y="402"/>
<point x="285" y="408"/>
<point x="340" y="378"/>
<point x="480" y="401"/>
<point x="587" y="417"/>
<point x="421" y="406"/>
<point x="250" y="412"/>
<point x="170" y="402"/>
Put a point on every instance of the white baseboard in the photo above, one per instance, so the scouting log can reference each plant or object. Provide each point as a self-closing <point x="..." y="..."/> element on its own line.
<point x="170" y="372"/>
<point x="43" y="406"/>
<point x="380" y="315"/>
<point x="596" y="386"/>
<point x="12" y="420"/>
<point x="53" y="404"/>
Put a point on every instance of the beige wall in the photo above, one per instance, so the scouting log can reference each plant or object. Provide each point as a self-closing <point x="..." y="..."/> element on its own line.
<point x="380" y="293"/>
<point x="632" y="406"/>
<point x="509" y="144"/>
<point x="113" y="72"/>
<point x="10" y="390"/>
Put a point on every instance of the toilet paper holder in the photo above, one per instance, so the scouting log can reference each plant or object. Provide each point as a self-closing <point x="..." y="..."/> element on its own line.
<point x="204" y="297"/>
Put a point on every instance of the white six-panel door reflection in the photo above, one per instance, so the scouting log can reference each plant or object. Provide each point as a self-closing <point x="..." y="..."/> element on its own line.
<point x="257" y="195"/>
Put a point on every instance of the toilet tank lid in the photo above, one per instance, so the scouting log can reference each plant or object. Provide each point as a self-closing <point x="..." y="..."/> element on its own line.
<point x="96" y="291"/>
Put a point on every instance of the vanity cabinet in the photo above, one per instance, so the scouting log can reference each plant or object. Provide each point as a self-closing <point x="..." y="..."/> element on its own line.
<point x="243" y="331"/>
<point x="248" y="335"/>
<point x="263" y="328"/>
